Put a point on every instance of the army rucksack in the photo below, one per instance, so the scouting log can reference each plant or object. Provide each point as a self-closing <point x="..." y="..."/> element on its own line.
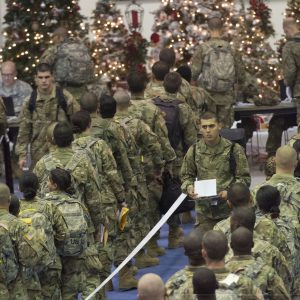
<point x="74" y="214"/>
<point x="37" y="218"/>
<point x="73" y="64"/>
<point x="218" y="71"/>
<point x="9" y="266"/>
<point x="171" y="113"/>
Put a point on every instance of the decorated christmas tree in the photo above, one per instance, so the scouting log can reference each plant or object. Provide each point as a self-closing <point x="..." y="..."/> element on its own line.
<point x="260" y="59"/>
<point x="108" y="46"/>
<point x="29" y="25"/>
<point x="293" y="9"/>
<point x="182" y="24"/>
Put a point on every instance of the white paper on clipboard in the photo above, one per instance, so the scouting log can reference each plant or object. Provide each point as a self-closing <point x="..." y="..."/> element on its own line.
<point x="205" y="188"/>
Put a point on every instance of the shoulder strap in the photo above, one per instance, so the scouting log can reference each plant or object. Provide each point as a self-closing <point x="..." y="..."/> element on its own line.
<point x="32" y="101"/>
<point x="61" y="102"/>
<point x="73" y="162"/>
<point x="232" y="160"/>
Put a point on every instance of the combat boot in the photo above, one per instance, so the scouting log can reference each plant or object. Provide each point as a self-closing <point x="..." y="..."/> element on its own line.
<point x="187" y="218"/>
<point x="153" y="249"/>
<point x="175" y="238"/>
<point x="126" y="279"/>
<point x="109" y="286"/>
<point x="143" y="260"/>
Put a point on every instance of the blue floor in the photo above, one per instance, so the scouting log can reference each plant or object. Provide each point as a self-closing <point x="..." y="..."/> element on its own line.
<point x="170" y="263"/>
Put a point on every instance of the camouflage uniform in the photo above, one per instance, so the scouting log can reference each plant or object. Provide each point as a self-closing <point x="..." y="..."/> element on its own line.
<point x="28" y="248"/>
<point x="204" y="162"/>
<point x="33" y="127"/>
<point x="223" y="101"/>
<point x="262" y="275"/>
<point x="110" y="187"/>
<point x="48" y="278"/>
<point x="85" y="177"/>
<point x="180" y="285"/>
<point x="244" y="287"/>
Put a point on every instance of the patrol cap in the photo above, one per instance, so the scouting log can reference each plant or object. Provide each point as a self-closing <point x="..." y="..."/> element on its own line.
<point x="122" y="97"/>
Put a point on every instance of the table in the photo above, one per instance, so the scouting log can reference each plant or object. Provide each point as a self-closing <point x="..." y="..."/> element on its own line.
<point x="247" y="110"/>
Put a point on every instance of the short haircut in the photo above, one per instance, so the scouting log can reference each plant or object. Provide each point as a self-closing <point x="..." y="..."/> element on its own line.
<point x="160" y="69"/>
<point x="172" y="82"/>
<point x="193" y="244"/>
<point x="89" y="102"/>
<point x="44" y="67"/>
<point x="185" y="72"/>
<point x="268" y="199"/>
<point x="81" y="120"/>
<point x="209" y="115"/>
<point x="61" y="178"/>
<point x="215" y="245"/>
<point x="63" y="134"/>
<point x="150" y="287"/>
<point x="242" y="241"/>
<point x="14" y="206"/>
<point x="168" y="56"/>
<point x="122" y="98"/>
<point x="243" y="216"/>
<point x="239" y="194"/>
<point x="205" y="282"/>
<point x="215" y="23"/>
<point x="29" y="185"/>
<point x="286" y="157"/>
<point x="136" y="82"/>
<point x="108" y="106"/>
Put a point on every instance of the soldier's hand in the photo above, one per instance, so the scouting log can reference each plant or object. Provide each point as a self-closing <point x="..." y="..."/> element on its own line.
<point x="22" y="163"/>
<point x="223" y="195"/>
<point x="191" y="193"/>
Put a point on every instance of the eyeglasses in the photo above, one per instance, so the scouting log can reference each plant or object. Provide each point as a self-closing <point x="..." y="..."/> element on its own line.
<point x="8" y="75"/>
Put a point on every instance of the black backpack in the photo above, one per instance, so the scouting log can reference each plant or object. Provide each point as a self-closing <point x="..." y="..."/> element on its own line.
<point x="171" y="116"/>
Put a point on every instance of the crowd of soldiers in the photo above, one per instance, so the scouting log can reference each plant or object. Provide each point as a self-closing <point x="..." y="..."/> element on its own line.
<point x="92" y="156"/>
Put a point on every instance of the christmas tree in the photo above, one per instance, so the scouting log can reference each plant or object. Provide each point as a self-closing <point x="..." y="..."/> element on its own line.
<point x="29" y="25"/>
<point x="110" y="36"/>
<point x="293" y="9"/>
<point x="260" y="59"/>
<point x="182" y="24"/>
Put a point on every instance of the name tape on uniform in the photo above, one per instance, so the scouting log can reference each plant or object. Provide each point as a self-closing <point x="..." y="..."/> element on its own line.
<point x="141" y="245"/>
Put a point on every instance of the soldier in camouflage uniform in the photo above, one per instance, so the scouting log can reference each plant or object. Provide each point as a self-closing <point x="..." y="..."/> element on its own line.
<point x="27" y="246"/>
<point x="145" y="110"/>
<point x="112" y="191"/>
<point x="245" y="217"/>
<point x="244" y="263"/>
<point x="86" y="186"/>
<point x="225" y="100"/>
<point x="214" y="249"/>
<point x="179" y="285"/>
<point x="211" y="158"/>
<point x="145" y="147"/>
<point x="45" y="105"/>
<point x="50" y="277"/>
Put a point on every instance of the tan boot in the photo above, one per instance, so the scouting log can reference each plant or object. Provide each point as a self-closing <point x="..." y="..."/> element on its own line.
<point x="153" y="249"/>
<point x="175" y="238"/>
<point x="187" y="218"/>
<point x="143" y="260"/>
<point x="126" y="279"/>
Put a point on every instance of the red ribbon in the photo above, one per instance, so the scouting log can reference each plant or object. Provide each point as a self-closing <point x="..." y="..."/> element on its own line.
<point x="135" y="19"/>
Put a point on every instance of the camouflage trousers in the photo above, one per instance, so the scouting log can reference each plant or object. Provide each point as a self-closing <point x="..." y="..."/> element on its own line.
<point x="225" y="113"/>
<point x="73" y="277"/>
<point x="205" y="224"/>
<point x="277" y="125"/>
<point x="32" y="283"/>
<point x="15" y="290"/>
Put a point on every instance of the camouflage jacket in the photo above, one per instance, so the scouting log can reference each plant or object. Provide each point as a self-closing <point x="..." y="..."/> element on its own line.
<point x="33" y="127"/>
<point x="103" y="161"/>
<point x="197" y="65"/>
<point x="180" y="285"/>
<point x="263" y="276"/>
<point x="146" y="111"/>
<point x="110" y="131"/>
<point x="204" y="162"/>
<point x="18" y="91"/>
<point x="291" y="64"/>
<point x="240" y="284"/>
<point x="85" y="177"/>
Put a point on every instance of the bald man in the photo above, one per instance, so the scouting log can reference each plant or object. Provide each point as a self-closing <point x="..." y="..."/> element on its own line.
<point x="151" y="287"/>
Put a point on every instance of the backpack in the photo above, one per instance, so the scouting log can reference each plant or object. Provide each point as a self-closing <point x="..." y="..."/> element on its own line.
<point x="52" y="163"/>
<point x="61" y="102"/>
<point x="171" y="116"/>
<point x="73" y="64"/>
<point x="74" y="214"/>
<point x="37" y="218"/>
<point x="218" y="71"/>
<point x="9" y="266"/>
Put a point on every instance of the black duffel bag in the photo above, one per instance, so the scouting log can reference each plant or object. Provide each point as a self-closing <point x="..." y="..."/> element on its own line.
<point x="171" y="192"/>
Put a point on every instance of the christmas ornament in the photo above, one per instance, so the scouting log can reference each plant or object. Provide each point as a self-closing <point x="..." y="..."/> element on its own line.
<point x="134" y="14"/>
